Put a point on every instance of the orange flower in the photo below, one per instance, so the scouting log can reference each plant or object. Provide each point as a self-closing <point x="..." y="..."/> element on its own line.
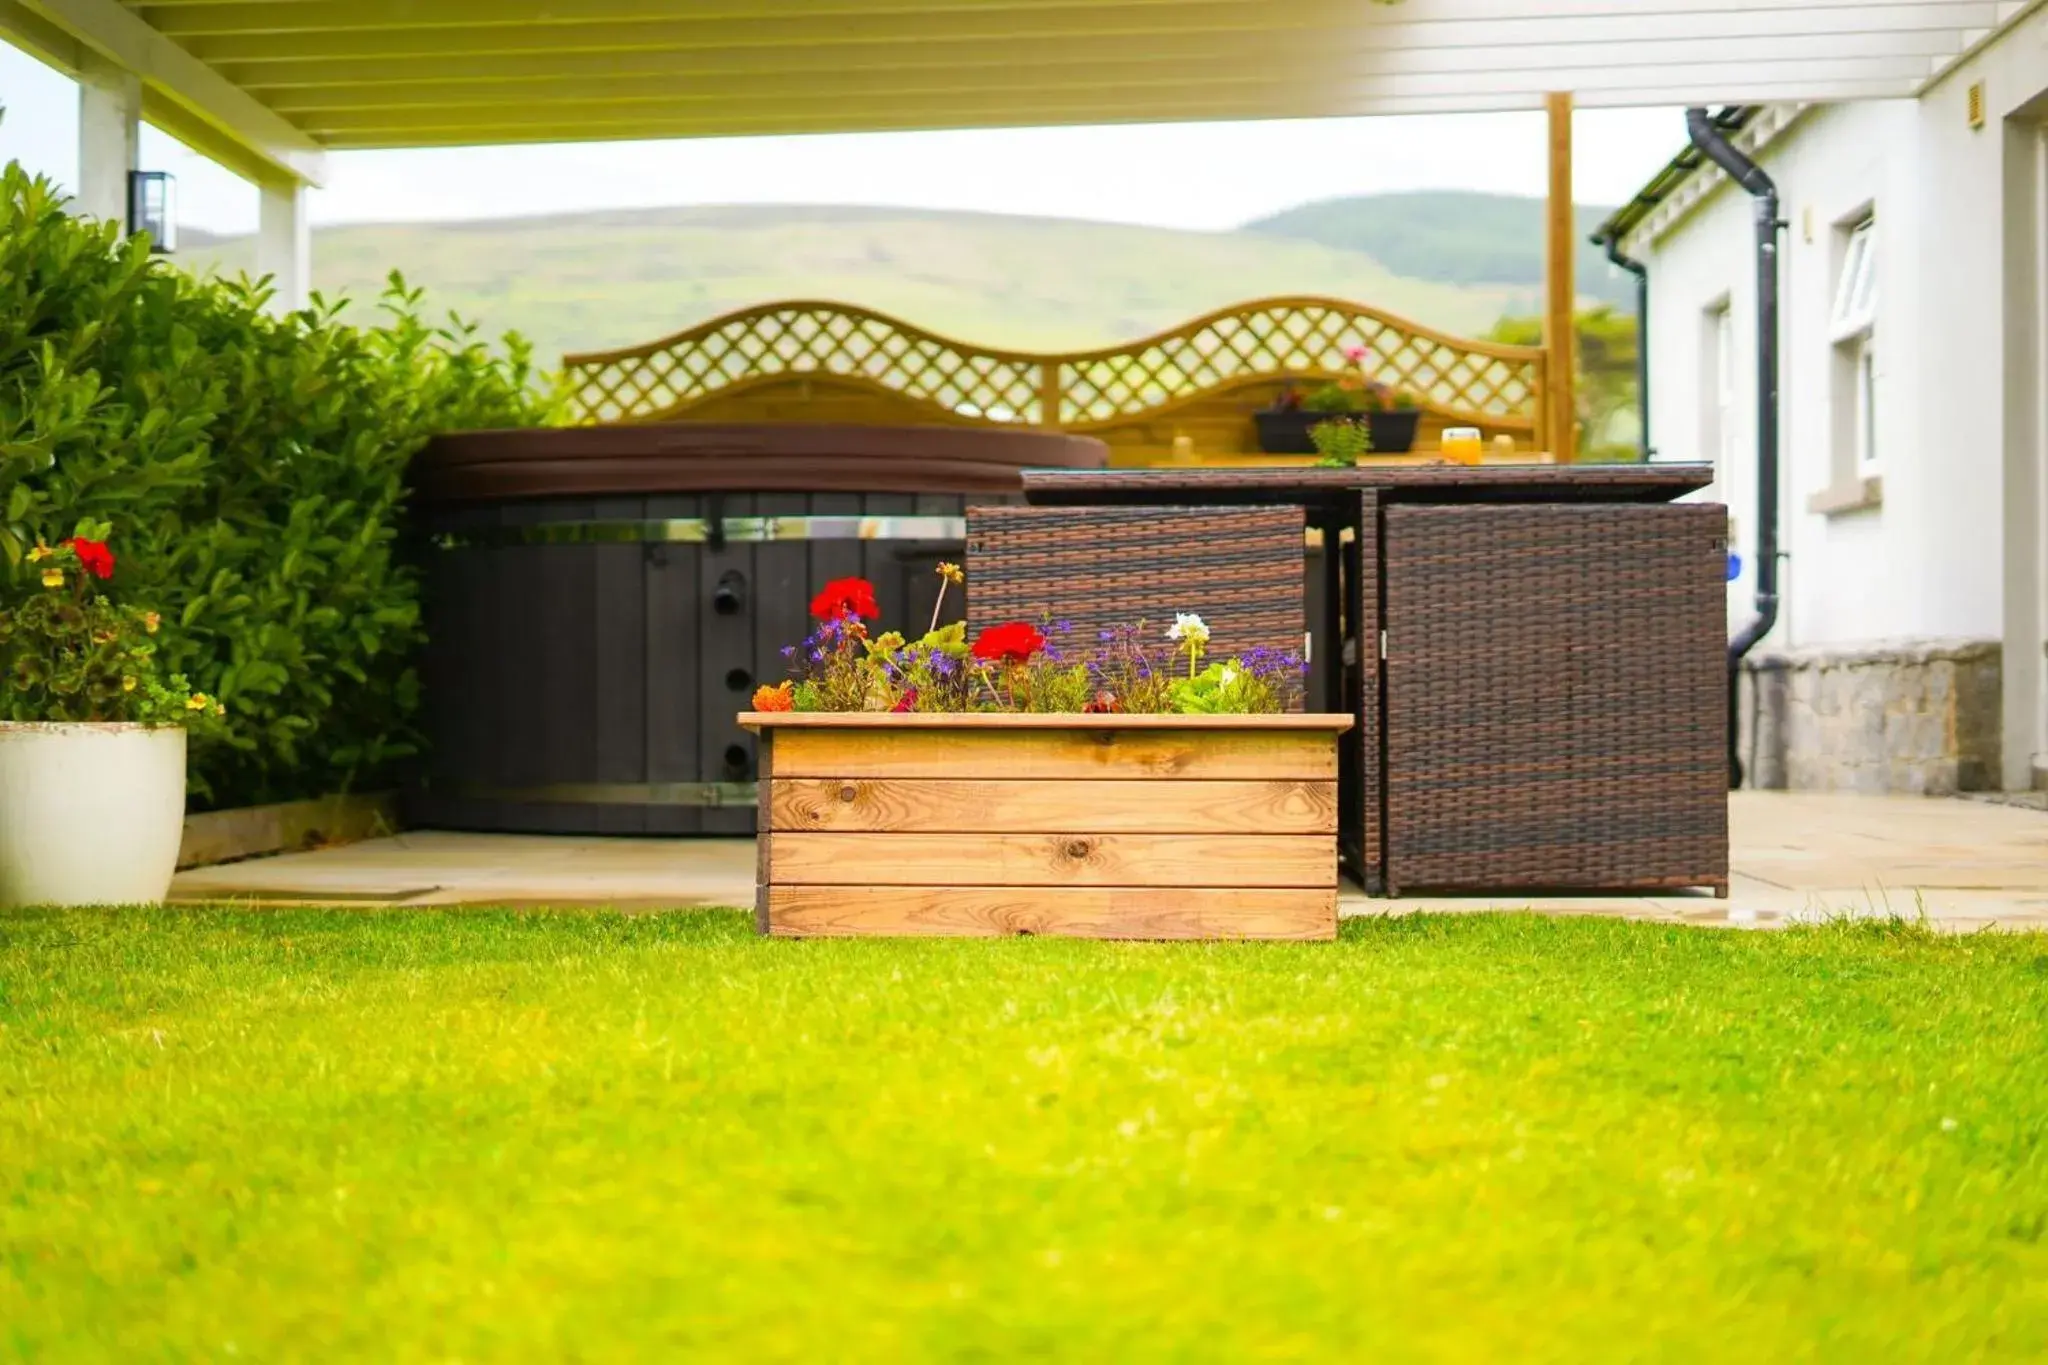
<point x="777" y="698"/>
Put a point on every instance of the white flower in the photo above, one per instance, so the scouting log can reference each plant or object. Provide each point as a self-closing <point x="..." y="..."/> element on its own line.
<point x="1188" y="628"/>
<point x="1229" y="675"/>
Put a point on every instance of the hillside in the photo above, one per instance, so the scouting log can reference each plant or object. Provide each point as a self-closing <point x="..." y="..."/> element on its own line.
<point x="592" y="281"/>
<point x="1451" y="237"/>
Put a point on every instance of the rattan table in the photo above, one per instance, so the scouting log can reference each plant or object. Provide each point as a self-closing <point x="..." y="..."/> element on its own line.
<point x="1536" y="655"/>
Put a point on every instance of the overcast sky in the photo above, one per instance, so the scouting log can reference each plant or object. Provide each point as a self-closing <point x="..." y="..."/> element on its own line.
<point x="1214" y="175"/>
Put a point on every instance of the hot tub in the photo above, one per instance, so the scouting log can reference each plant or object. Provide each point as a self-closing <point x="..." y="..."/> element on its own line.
<point x="601" y="601"/>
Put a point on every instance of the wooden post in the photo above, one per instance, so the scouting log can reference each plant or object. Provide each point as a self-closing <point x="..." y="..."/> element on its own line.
<point x="1049" y="394"/>
<point x="1560" y="289"/>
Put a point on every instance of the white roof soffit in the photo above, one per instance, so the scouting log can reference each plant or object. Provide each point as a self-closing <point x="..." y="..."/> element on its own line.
<point x="406" y="73"/>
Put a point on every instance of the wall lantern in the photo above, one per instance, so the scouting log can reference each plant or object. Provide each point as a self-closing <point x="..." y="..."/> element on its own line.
<point x="152" y="208"/>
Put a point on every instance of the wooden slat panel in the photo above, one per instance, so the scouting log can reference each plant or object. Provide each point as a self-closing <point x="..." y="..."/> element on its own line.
<point x="673" y="601"/>
<point x="618" y="617"/>
<point x="1157" y="860"/>
<point x="1100" y="807"/>
<point x="995" y="754"/>
<point x="1075" y="912"/>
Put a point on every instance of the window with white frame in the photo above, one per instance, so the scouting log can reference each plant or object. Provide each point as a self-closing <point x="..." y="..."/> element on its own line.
<point x="1852" y="327"/>
<point x="1718" y="420"/>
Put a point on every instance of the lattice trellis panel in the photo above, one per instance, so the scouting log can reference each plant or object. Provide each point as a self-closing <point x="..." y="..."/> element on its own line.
<point x="792" y="339"/>
<point x="1271" y="339"/>
<point x="1298" y="338"/>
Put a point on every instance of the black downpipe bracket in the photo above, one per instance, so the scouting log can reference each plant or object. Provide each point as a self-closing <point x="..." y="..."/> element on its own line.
<point x="1709" y="139"/>
<point x="1642" y="273"/>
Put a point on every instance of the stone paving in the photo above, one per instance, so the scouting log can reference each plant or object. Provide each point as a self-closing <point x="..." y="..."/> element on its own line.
<point x="1960" y="864"/>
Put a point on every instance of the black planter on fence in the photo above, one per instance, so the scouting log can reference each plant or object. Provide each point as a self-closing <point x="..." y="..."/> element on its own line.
<point x="1284" y="431"/>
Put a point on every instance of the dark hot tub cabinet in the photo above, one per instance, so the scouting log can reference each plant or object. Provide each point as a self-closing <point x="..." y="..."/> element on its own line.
<point x="602" y="601"/>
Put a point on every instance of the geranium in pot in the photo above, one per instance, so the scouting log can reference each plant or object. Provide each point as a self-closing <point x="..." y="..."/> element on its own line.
<point x="92" y="736"/>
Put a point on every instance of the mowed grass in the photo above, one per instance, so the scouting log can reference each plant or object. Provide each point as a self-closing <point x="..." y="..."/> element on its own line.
<point x="478" y="1136"/>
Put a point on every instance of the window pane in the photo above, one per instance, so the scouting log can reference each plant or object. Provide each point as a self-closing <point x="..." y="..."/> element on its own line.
<point x="1866" y="401"/>
<point x="1855" y="307"/>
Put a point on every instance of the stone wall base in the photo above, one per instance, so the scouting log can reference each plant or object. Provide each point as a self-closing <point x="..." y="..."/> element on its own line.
<point x="1919" y="717"/>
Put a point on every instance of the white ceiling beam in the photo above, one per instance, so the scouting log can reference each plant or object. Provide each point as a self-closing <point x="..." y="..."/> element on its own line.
<point x="210" y="18"/>
<point x="888" y="39"/>
<point x="884" y="121"/>
<point x="289" y="86"/>
<point x="569" y="121"/>
<point x="180" y="88"/>
<point x="429" y="106"/>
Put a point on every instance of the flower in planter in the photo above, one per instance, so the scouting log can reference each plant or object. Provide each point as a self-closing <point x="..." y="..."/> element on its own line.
<point x="1017" y="667"/>
<point x="1014" y="642"/>
<point x="950" y="575"/>
<point x="68" y="654"/>
<point x="845" y="597"/>
<point x="1191" y="633"/>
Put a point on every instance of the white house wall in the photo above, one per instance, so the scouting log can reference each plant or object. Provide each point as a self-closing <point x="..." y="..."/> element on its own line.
<point x="1846" y="578"/>
<point x="1986" y="375"/>
<point x="1957" y="550"/>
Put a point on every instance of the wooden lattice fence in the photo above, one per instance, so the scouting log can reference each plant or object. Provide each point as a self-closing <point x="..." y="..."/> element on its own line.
<point x="1199" y="382"/>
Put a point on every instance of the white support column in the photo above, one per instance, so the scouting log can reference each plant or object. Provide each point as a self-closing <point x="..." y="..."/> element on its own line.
<point x="284" y="244"/>
<point x="109" y="138"/>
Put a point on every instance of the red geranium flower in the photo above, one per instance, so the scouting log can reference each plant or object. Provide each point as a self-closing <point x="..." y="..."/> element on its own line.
<point x="94" y="557"/>
<point x="1013" y="642"/>
<point x="908" y="702"/>
<point x="845" y="597"/>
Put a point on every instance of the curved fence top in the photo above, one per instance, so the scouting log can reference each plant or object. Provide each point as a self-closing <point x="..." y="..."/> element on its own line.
<point x="1263" y="342"/>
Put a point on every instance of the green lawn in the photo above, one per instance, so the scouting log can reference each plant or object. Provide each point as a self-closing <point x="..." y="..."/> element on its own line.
<point x="478" y="1136"/>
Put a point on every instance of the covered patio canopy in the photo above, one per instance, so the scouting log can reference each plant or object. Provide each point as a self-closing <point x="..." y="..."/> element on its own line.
<point x="267" y="86"/>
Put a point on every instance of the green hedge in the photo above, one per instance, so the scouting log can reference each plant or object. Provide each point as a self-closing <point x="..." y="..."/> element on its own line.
<point x="253" y="470"/>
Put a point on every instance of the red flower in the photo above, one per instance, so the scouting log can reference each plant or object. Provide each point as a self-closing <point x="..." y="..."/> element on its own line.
<point x="845" y="597"/>
<point x="94" y="557"/>
<point x="908" y="703"/>
<point x="1013" y="642"/>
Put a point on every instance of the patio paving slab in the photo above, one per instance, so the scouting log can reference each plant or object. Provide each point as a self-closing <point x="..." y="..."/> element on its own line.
<point x="1798" y="857"/>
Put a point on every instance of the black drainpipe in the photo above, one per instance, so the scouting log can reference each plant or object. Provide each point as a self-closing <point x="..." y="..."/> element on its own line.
<point x="1642" y="274"/>
<point x="1746" y="173"/>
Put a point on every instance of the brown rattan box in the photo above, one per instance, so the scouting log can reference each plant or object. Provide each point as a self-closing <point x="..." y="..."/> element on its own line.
<point x="1553" y="697"/>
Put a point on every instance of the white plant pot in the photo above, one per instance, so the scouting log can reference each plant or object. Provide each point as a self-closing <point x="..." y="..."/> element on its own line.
<point x="90" y="814"/>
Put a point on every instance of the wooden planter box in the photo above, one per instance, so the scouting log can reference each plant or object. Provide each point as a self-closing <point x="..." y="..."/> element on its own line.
<point x="1144" y="827"/>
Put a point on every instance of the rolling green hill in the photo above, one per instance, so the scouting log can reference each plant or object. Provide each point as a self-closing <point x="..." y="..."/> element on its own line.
<point x="592" y="281"/>
<point x="1451" y="237"/>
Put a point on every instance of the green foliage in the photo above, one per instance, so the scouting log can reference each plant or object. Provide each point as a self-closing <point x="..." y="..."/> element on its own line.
<point x="252" y="470"/>
<point x="1341" y="443"/>
<point x="1227" y="689"/>
<point x="1337" y="399"/>
<point x="1608" y="378"/>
